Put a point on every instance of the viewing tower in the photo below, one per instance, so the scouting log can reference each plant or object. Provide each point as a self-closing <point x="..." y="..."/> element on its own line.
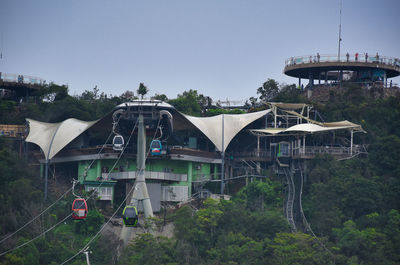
<point x="331" y="70"/>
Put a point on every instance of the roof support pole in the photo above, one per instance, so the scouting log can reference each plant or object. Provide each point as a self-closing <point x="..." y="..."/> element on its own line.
<point x="258" y="154"/>
<point x="351" y="143"/>
<point x="222" y="158"/>
<point x="304" y="144"/>
<point x="46" y="175"/>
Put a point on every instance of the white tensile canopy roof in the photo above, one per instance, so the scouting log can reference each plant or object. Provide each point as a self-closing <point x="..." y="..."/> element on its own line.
<point x="232" y="123"/>
<point x="313" y="128"/>
<point x="52" y="137"/>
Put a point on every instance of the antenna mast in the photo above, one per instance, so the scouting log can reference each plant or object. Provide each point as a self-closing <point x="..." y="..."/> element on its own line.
<point x="1" y="51"/>
<point x="340" y="29"/>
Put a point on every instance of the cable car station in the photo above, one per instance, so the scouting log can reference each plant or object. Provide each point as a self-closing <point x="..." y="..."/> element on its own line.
<point x="187" y="155"/>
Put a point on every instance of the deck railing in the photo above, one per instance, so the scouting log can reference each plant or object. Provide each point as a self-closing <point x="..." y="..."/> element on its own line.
<point x="25" y="79"/>
<point x="308" y="151"/>
<point x="361" y="58"/>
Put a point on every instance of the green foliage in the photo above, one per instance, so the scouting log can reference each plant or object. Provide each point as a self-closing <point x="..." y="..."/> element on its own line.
<point x="147" y="249"/>
<point x="236" y="248"/>
<point x="191" y="103"/>
<point x="18" y="188"/>
<point x="297" y="248"/>
<point x="214" y="112"/>
<point x="268" y="90"/>
<point x="142" y="90"/>
<point x="289" y="94"/>
<point x="90" y="224"/>
<point x="209" y="216"/>
<point x="187" y="103"/>
<point x="161" y="97"/>
<point x="257" y="195"/>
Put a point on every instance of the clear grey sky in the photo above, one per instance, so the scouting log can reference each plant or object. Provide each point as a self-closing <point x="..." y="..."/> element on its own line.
<point x="222" y="48"/>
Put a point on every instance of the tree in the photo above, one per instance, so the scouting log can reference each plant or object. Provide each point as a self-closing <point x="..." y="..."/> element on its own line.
<point x="268" y="90"/>
<point x="161" y="97"/>
<point x="187" y="103"/>
<point x="128" y="95"/>
<point x="297" y="248"/>
<point x="142" y="90"/>
<point x="147" y="249"/>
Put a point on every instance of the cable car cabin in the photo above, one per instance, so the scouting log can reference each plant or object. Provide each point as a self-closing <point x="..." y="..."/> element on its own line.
<point x="79" y="209"/>
<point x="118" y="142"/>
<point x="130" y="216"/>
<point x="283" y="155"/>
<point x="156" y="147"/>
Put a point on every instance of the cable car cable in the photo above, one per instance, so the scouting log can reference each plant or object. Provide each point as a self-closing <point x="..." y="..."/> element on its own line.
<point x="33" y="219"/>
<point x="26" y="243"/>
<point x="69" y="215"/>
<point x="37" y="216"/>
<point x="104" y="225"/>
<point x="116" y="162"/>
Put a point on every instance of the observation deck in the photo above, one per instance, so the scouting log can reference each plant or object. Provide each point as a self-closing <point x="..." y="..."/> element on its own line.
<point x="321" y="66"/>
<point x="16" y="86"/>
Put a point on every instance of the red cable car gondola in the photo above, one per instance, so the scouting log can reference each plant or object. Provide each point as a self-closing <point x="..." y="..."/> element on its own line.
<point x="79" y="208"/>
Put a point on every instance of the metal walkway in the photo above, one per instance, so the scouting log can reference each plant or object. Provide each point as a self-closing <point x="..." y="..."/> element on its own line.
<point x="290" y="199"/>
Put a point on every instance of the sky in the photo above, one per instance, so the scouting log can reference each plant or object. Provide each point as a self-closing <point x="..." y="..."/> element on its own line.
<point x="224" y="49"/>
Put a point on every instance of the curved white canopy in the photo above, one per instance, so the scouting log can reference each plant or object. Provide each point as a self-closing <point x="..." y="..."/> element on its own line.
<point x="313" y="128"/>
<point x="52" y="137"/>
<point x="232" y="124"/>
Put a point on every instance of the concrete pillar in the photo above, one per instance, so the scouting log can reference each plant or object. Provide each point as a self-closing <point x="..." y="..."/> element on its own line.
<point x="326" y="77"/>
<point x="310" y="84"/>
<point x="98" y="169"/>
<point x="311" y="79"/>
<point x="385" y="78"/>
<point x="190" y="177"/>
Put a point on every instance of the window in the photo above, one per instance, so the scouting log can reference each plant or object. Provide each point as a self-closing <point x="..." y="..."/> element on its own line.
<point x="104" y="193"/>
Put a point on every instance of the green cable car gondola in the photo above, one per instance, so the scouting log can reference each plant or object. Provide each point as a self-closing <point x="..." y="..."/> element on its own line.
<point x="130" y="216"/>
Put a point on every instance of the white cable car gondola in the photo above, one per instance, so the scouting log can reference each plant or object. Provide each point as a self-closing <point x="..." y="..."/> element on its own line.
<point x="118" y="142"/>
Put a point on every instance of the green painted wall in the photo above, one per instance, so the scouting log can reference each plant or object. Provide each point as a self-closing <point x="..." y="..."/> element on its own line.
<point x="194" y="170"/>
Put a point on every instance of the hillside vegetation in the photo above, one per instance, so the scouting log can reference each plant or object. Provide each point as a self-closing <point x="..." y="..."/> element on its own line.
<point x="352" y="205"/>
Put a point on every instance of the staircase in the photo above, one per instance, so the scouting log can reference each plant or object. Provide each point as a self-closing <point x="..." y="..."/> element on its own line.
<point x="290" y="199"/>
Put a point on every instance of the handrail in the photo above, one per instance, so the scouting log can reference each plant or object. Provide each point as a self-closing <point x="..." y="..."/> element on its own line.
<point x="309" y="150"/>
<point x="361" y="58"/>
<point x="25" y="79"/>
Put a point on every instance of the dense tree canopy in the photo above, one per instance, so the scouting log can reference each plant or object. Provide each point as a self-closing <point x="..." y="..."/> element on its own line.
<point x="353" y="206"/>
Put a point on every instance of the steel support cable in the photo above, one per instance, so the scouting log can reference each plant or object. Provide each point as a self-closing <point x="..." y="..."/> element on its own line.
<point x="37" y="216"/>
<point x="305" y="219"/>
<point x="22" y="227"/>
<point x="8" y="251"/>
<point x="112" y="216"/>
<point x="102" y="147"/>
<point x="116" y="162"/>
<point x="30" y="241"/>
